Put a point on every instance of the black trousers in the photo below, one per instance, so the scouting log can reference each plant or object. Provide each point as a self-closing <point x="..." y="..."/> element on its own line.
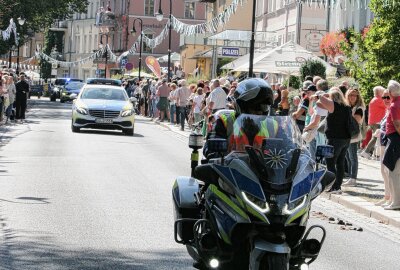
<point x="20" y="107"/>
<point x="336" y="164"/>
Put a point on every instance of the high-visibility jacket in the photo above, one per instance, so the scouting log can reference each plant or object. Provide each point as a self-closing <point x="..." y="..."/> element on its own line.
<point x="227" y="118"/>
<point x="268" y="129"/>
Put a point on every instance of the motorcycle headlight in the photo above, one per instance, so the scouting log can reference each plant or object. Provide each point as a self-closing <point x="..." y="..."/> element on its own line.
<point x="126" y="113"/>
<point x="82" y="110"/>
<point x="256" y="202"/>
<point x="293" y="206"/>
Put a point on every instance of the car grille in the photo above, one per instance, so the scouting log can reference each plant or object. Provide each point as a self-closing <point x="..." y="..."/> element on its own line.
<point x="104" y="113"/>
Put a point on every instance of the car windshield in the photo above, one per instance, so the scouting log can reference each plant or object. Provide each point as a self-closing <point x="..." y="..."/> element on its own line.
<point x="74" y="85"/>
<point x="277" y="138"/>
<point x="104" y="93"/>
<point x="60" y="81"/>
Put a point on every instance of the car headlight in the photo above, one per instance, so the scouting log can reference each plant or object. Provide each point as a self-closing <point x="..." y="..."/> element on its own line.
<point x="81" y="110"/>
<point x="126" y="113"/>
<point x="256" y="203"/>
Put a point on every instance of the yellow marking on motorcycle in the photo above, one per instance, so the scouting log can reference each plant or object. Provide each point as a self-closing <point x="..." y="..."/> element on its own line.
<point x="228" y="201"/>
<point x="299" y="214"/>
<point x="195" y="156"/>
<point x="256" y="214"/>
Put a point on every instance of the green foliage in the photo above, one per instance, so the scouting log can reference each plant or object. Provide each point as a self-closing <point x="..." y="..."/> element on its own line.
<point x="53" y="39"/>
<point x="375" y="59"/>
<point x="222" y="62"/>
<point x="39" y="15"/>
<point x="312" y="68"/>
<point x="293" y="82"/>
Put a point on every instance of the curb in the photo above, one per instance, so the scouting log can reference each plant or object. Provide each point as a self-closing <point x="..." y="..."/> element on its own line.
<point x="366" y="208"/>
<point x="357" y="204"/>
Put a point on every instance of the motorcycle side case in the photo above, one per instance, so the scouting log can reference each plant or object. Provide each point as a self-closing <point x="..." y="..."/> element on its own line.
<point x="185" y="206"/>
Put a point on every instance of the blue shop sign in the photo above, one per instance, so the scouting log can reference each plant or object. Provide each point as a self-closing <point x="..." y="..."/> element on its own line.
<point x="229" y="51"/>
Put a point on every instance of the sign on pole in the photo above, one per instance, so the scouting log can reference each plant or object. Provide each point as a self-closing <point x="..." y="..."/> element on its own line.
<point x="230" y="51"/>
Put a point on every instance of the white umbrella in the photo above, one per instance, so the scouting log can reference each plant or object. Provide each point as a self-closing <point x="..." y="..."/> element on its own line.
<point x="136" y="74"/>
<point x="175" y="57"/>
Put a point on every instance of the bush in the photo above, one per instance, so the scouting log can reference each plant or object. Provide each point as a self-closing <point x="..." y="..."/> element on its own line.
<point x="293" y="82"/>
<point x="312" y="68"/>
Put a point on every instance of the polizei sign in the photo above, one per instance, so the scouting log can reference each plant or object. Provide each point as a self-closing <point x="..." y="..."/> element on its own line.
<point x="229" y="51"/>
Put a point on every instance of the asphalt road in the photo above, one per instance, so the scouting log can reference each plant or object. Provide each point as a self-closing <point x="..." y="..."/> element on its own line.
<point x="102" y="200"/>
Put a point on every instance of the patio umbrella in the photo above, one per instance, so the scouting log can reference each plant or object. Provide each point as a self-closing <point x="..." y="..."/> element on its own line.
<point x="175" y="57"/>
<point x="136" y="74"/>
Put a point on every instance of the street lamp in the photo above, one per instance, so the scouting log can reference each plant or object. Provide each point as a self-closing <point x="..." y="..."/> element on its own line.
<point x="252" y="41"/>
<point x="159" y="17"/>
<point x="141" y="42"/>
<point x="21" y="21"/>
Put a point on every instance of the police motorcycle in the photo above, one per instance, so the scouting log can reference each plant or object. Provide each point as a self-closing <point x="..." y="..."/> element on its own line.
<point x="249" y="210"/>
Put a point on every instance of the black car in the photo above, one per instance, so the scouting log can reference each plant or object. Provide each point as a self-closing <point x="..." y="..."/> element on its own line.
<point x="71" y="87"/>
<point x="59" y="84"/>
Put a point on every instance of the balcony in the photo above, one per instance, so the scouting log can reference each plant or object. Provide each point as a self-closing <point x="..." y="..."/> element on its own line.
<point x="59" y="26"/>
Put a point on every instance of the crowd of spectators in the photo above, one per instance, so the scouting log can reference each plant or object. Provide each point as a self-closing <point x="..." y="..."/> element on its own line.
<point x="322" y="114"/>
<point x="14" y="91"/>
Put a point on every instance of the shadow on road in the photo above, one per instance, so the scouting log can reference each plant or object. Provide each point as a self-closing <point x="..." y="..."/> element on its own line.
<point x="36" y="250"/>
<point x="108" y="133"/>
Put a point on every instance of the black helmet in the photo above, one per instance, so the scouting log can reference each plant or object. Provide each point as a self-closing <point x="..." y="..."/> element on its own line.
<point x="253" y="94"/>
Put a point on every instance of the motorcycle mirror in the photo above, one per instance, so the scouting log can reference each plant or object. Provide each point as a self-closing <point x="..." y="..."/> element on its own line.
<point x="73" y="96"/>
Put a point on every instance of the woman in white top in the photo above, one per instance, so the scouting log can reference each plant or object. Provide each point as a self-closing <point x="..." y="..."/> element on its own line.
<point x="11" y="92"/>
<point x="197" y="104"/>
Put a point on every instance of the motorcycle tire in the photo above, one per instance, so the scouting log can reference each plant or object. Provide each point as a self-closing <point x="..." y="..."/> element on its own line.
<point x="275" y="261"/>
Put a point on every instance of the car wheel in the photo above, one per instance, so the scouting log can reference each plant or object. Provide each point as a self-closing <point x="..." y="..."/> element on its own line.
<point x="62" y="101"/>
<point x="75" y="129"/>
<point x="130" y="131"/>
<point x="52" y="98"/>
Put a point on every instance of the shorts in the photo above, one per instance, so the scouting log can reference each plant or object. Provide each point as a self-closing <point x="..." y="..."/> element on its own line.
<point x="163" y="105"/>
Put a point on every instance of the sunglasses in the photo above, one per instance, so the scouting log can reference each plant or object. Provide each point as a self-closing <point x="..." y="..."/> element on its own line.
<point x="386" y="97"/>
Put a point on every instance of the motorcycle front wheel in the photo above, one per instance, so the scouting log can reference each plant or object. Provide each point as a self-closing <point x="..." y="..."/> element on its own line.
<point x="275" y="261"/>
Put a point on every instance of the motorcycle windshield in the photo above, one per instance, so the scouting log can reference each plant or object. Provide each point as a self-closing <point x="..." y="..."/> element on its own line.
<point x="277" y="138"/>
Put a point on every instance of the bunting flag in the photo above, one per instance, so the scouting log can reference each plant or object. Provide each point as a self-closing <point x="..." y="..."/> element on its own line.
<point x="344" y="4"/>
<point x="12" y="28"/>
<point x="210" y="26"/>
<point x="66" y="64"/>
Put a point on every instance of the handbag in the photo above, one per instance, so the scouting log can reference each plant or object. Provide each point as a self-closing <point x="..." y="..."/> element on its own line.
<point x="354" y="126"/>
<point x="309" y="135"/>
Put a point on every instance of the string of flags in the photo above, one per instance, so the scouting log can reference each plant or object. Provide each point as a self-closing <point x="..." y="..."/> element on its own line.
<point x="344" y="4"/>
<point x="11" y="29"/>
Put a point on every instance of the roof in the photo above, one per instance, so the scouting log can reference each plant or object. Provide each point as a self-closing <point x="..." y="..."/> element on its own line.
<point x="239" y="35"/>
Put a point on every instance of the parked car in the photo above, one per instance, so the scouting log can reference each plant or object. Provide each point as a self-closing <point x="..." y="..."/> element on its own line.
<point x="59" y="83"/>
<point x="102" y="106"/>
<point x="71" y="87"/>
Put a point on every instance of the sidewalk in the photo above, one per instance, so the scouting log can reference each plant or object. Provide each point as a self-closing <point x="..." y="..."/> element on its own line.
<point x="361" y="198"/>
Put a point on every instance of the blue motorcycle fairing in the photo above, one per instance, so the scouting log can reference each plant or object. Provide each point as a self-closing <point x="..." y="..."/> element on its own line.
<point x="306" y="185"/>
<point x="242" y="182"/>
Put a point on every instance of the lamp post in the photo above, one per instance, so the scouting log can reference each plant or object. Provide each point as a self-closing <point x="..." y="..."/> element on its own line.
<point x="252" y="41"/>
<point x="106" y="52"/>
<point x="159" y="17"/>
<point x="21" y="21"/>
<point x="141" y="42"/>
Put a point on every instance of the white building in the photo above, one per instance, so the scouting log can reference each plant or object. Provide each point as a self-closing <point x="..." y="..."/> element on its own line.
<point x="80" y="40"/>
<point x="349" y="14"/>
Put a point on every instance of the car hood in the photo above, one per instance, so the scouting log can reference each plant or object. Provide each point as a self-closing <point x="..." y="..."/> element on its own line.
<point x="73" y="91"/>
<point x="101" y="104"/>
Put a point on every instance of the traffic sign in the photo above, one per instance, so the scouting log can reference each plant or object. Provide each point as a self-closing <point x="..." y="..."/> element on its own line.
<point x="129" y="66"/>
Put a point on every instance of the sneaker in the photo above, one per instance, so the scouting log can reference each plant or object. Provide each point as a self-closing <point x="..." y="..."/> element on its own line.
<point x="392" y="207"/>
<point x="182" y="129"/>
<point x="365" y="155"/>
<point x="336" y="191"/>
<point x="351" y="183"/>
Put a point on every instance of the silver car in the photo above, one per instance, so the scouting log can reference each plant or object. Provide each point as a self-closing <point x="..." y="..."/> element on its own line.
<point x="103" y="107"/>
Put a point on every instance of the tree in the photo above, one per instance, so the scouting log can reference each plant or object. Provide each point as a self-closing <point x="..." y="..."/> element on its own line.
<point x="330" y="44"/>
<point x="312" y="68"/>
<point x="39" y="15"/>
<point x="375" y="60"/>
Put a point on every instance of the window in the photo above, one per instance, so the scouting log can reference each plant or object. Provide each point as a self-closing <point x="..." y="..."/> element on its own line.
<point x="145" y="48"/>
<point x="149" y="7"/>
<point x="85" y="44"/>
<point x="189" y="10"/>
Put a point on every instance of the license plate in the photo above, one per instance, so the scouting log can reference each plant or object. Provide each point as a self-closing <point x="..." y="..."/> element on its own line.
<point x="103" y="121"/>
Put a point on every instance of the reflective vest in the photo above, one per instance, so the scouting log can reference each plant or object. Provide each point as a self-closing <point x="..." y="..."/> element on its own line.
<point x="228" y="119"/>
<point x="268" y="129"/>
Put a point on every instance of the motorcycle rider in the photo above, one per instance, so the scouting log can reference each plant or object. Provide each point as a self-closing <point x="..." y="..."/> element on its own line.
<point x="252" y="97"/>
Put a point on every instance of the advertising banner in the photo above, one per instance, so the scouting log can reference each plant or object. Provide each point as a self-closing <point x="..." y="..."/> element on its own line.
<point x="153" y="65"/>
